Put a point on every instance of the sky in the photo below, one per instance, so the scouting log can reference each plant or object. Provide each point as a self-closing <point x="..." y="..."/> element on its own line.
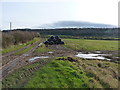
<point x="33" y="13"/>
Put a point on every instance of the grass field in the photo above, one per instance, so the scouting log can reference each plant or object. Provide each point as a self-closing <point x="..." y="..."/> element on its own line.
<point x="91" y="45"/>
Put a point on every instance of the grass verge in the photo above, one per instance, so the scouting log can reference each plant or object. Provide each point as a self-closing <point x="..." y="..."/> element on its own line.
<point x="16" y="47"/>
<point x="25" y="50"/>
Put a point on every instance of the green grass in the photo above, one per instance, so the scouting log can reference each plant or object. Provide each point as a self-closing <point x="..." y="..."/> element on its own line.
<point x="91" y="45"/>
<point x="32" y="41"/>
<point x="12" y="48"/>
<point x="42" y="49"/>
<point x="25" y="50"/>
<point x="59" y="74"/>
<point x="16" y="47"/>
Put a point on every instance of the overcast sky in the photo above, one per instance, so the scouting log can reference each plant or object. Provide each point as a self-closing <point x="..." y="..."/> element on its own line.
<point x="31" y="13"/>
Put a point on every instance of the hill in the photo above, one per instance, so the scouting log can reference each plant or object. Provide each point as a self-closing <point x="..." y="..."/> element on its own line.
<point x="75" y="24"/>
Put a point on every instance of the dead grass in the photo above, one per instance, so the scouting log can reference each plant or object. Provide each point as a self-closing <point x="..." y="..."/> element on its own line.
<point x="104" y="72"/>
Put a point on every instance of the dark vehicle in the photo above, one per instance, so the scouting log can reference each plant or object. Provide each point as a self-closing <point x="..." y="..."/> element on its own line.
<point x="53" y="40"/>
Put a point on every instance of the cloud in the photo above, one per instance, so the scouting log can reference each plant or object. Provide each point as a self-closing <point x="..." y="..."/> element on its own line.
<point x="76" y="24"/>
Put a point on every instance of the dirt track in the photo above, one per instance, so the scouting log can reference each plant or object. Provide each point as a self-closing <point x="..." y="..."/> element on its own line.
<point x="10" y="56"/>
<point x="12" y="62"/>
<point x="57" y="51"/>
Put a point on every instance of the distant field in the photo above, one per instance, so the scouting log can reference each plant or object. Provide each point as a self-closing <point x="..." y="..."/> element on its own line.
<point x="91" y="45"/>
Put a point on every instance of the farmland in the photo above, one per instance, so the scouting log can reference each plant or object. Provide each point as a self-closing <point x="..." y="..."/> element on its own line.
<point x="62" y="44"/>
<point x="91" y="45"/>
<point x="30" y="64"/>
<point x="62" y="69"/>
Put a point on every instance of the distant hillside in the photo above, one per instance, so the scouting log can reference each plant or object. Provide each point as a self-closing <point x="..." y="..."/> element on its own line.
<point x="75" y="24"/>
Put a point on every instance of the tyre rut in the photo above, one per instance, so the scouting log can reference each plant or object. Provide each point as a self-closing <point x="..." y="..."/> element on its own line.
<point x="7" y="68"/>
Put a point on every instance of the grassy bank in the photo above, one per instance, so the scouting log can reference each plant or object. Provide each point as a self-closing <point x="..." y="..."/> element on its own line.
<point x="91" y="45"/>
<point x="59" y="75"/>
<point x="81" y="74"/>
<point x="19" y="46"/>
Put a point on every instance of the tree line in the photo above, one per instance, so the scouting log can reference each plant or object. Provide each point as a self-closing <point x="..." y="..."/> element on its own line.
<point x="79" y="32"/>
<point x="83" y="33"/>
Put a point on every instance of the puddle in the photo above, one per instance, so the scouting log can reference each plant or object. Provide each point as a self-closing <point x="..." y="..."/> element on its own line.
<point x="98" y="51"/>
<point x="40" y="44"/>
<point x="44" y="57"/>
<point x="92" y="56"/>
<point x="25" y="54"/>
<point x="34" y="58"/>
<point x="50" y="52"/>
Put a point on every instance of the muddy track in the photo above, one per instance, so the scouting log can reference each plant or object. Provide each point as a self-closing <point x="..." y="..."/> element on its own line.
<point x="11" y="65"/>
<point x="21" y="60"/>
<point x="57" y="51"/>
<point x="10" y="56"/>
<point x="17" y="63"/>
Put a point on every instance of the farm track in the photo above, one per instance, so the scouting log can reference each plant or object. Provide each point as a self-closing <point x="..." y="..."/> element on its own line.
<point x="16" y="62"/>
<point x="57" y="51"/>
<point x="21" y="60"/>
<point x="10" y="56"/>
